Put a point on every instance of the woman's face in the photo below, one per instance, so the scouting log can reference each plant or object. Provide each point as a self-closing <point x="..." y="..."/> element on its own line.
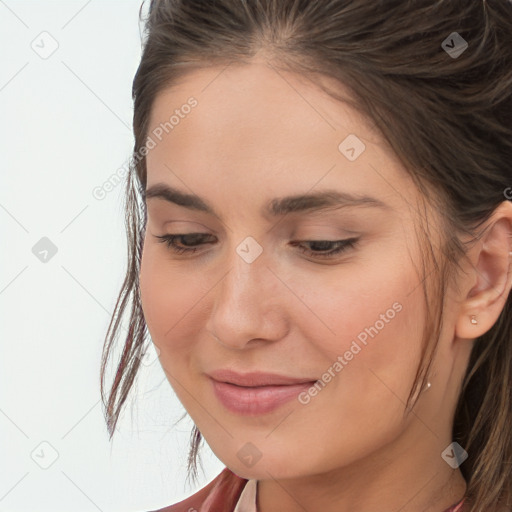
<point x="276" y="301"/>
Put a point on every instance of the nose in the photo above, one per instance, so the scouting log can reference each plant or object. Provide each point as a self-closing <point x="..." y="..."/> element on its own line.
<point x="248" y="303"/>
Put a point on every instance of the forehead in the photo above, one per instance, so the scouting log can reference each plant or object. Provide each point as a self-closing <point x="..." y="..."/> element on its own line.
<point x="255" y="96"/>
<point x="254" y="125"/>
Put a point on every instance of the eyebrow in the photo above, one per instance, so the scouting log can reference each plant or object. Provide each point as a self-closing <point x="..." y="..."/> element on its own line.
<point x="318" y="201"/>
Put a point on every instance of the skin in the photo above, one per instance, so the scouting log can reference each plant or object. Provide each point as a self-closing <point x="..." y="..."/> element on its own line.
<point x="257" y="134"/>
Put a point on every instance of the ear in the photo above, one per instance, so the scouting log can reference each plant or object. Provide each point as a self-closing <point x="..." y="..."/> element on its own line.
<point x="489" y="277"/>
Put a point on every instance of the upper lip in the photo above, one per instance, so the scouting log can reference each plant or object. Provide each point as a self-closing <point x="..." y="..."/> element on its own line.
<point x="256" y="378"/>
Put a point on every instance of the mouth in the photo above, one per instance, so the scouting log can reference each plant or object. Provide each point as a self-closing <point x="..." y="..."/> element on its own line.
<point x="257" y="393"/>
<point x="257" y="379"/>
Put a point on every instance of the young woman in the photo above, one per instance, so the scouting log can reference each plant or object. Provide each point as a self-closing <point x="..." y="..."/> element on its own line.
<point x="320" y="246"/>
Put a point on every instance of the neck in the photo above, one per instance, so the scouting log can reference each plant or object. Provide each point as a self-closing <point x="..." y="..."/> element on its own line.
<point x="408" y="479"/>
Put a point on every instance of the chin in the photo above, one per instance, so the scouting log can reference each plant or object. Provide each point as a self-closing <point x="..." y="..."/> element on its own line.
<point x="265" y="469"/>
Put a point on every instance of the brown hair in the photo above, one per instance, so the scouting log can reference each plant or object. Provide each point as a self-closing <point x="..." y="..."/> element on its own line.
<point x="447" y="117"/>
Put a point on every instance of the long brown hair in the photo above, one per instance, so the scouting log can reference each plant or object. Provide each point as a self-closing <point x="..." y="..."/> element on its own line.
<point x="446" y="116"/>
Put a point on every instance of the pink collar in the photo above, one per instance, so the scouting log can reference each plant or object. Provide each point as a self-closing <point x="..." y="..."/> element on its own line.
<point x="457" y="507"/>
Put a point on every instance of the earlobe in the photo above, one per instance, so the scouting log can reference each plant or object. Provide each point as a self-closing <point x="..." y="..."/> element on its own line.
<point x="491" y="276"/>
<point x="468" y="327"/>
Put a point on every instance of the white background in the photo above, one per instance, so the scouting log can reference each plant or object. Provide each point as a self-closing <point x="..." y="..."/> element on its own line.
<point x="66" y="129"/>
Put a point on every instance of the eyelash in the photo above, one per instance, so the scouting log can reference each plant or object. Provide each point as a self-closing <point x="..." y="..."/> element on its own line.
<point x="343" y="246"/>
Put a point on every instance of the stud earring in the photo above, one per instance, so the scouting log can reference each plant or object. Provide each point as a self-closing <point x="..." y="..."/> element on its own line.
<point x="474" y="320"/>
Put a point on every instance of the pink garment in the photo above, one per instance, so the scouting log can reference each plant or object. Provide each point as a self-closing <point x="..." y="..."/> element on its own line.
<point x="223" y="494"/>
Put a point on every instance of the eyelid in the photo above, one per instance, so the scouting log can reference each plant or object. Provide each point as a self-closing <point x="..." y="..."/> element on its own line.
<point x="341" y="246"/>
<point x="168" y="223"/>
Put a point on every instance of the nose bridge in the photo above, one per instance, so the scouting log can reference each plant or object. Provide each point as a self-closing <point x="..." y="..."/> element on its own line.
<point x="246" y="277"/>
<point x="245" y="299"/>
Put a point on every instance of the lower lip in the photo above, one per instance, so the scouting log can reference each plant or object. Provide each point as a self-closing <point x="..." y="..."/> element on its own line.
<point x="253" y="401"/>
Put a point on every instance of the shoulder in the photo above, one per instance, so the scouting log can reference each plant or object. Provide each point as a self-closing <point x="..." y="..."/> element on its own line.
<point x="220" y="495"/>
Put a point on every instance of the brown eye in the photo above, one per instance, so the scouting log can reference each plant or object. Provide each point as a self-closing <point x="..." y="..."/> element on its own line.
<point x="170" y="241"/>
<point x="323" y="245"/>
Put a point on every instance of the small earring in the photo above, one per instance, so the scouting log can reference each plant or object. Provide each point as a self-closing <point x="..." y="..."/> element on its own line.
<point x="427" y="386"/>
<point x="473" y="319"/>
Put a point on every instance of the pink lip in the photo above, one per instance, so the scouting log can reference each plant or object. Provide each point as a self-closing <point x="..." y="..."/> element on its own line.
<point x="256" y="378"/>
<point x="256" y="393"/>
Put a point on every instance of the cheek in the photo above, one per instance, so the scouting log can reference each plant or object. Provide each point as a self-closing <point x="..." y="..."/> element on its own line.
<point x="373" y="319"/>
<point x="361" y="399"/>
<point x="169" y="297"/>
